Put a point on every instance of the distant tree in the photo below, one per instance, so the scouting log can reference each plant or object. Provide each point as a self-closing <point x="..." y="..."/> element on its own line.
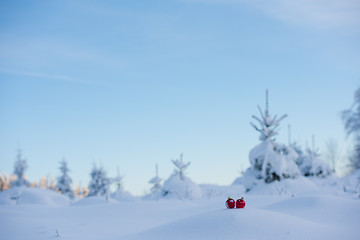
<point x="118" y="181"/>
<point x="51" y="183"/>
<point x="19" y="172"/>
<point x="351" y="118"/>
<point x="180" y="166"/>
<point x="43" y="183"/>
<point x="332" y="153"/>
<point x="5" y="183"/>
<point x="85" y="191"/>
<point x="2" y="183"/>
<point x="100" y="183"/>
<point x="34" y="184"/>
<point x="77" y="191"/>
<point x="156" y="181"/>
<point x="64" y="181"/>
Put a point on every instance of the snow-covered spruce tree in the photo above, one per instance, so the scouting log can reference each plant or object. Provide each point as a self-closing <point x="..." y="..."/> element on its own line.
<point x="178" y="185"/>
<point x="351" y="118"/>
<point x="156" y="182"/>
<point x="100" y="183"/>
<point x="19" y="171"/>
<point x="120" y="194"/>
<point x="310" y="163"/>
<point x="64" y="181"/>
<point x="270" y="161"/>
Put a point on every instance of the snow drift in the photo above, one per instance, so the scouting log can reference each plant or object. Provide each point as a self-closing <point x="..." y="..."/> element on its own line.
<point x="25" y="195"/>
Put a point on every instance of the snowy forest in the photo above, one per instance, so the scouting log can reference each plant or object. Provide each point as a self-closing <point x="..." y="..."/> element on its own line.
<point x="270" y="161"/>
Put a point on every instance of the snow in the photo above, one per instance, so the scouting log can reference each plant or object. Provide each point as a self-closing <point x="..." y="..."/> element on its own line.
<point x="270" y="161"/>
<point x="93" y="201"/>
<point x="180" y="187"/>
<point x="300" y="208"/>
<point x="25" y="195"/>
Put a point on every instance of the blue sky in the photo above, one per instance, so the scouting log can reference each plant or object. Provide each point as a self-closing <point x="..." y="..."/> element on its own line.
<point x="130" y="84"/>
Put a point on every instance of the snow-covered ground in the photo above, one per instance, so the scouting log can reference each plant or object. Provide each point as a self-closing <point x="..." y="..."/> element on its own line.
<point x="293" y="209"/>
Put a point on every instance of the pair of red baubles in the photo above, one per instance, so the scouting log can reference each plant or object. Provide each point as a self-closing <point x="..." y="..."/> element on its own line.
<point x="230" y="203"/>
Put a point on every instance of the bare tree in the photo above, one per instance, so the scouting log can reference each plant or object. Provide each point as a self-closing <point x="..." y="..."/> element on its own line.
<point x="351" y="118"/>
<point x="332" y="153"/>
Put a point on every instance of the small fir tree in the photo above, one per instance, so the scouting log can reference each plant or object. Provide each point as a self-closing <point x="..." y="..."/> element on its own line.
<point x="268" y="125"/>
<point x="156" y="181"/>
<point x="180" y="166"/>
<point x="19" y="171"/>
<point x="100" y="183"/>
<point x="64" y="181"/>
<point x="178" y="185"/>
<point x="118" y="181"/>
<point x="269" y="160"/>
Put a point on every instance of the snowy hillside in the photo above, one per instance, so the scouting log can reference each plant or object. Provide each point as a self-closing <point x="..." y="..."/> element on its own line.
<point x="294" y="209"/>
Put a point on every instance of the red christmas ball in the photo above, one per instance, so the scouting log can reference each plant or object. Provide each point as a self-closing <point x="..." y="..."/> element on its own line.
<point x="230" y="203"/>
<point x="240" y="203"/>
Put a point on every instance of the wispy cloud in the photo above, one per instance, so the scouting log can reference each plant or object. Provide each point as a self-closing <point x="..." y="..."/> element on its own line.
<point x="314" y="13"/>
<point x="47" y="76"/>
<point x="45" y="51"/>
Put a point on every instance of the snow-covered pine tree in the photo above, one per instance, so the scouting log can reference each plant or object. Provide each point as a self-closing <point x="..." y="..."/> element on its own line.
<point x="100" y="183"/>
<point x="156" y="181"/>
<point x="118" y="181"/>
<point x="310" y="163"/>
<point x="19" y="171"/>
<point x="180" y="166"/>
<point x="269" y="160"/>
<point x="120" y="194"/>
<point x="178" y="185"/>
<point x="64" y="181"/>
<point x="351" y="118"/>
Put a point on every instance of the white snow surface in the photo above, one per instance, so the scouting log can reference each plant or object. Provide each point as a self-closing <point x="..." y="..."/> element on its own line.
<point x="26" y="195"/>
<point x="290" y="209"/>
<point x="178" y="187"/>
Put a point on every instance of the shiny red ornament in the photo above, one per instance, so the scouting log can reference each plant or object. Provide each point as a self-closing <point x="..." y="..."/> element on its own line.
<point x="240" y="203"/>
<point x="230" y="203"/>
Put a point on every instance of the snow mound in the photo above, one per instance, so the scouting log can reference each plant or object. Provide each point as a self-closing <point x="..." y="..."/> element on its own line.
<point x="180" y="188"/>
<point x="285" y="187"/>
<point x="313" y="166"/>
<point x="327" y="207"/>
<point x="247" y="223"/>
<point x="270" y="162"/>
<point x="94" y="200"/>
<point x="352" y="182"/>
<point x="238" y="181"/>
<point x="214" y="191"/>
<point x="25" y="195"/>
<point x="122" y="195"/>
